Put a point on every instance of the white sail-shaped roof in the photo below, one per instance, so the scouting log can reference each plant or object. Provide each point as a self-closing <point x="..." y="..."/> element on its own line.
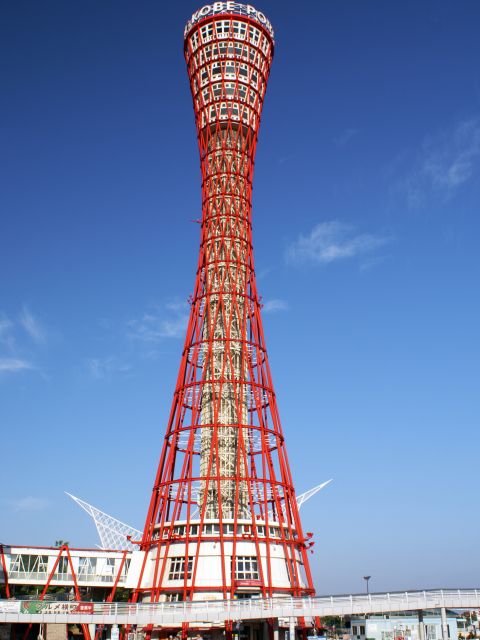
<point x="112" y="532"/>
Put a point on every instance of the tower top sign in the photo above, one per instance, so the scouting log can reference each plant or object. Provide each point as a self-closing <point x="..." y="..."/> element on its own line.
<point x="218" y="8"/>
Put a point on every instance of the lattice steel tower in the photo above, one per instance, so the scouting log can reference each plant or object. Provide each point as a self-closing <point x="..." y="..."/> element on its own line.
<point x="223" y="519"/>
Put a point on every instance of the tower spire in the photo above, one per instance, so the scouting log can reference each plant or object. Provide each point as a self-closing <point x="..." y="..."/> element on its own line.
<point x="223" y="519"/>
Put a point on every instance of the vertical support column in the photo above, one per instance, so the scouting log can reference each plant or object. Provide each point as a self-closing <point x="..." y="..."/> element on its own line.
<point x="421" y="625"/>
<point x="185" y="631"/>
<point x="292" y="628"/>
<point x="276" y="634"/>
<point x="269" y="622"/>
<point x="5" y="572"/>
<point x="228" y="630"/>
<point x="443" y="613"/>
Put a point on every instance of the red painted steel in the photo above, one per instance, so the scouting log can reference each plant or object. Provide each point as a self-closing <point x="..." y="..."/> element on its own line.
<point x="224" y="458"/>
<point x="62" y="550"/>
<point x="5" y="572"/>
<point x="111" y="595"/>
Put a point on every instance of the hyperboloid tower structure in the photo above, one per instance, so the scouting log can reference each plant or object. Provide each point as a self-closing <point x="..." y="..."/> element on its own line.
<point x="223" y="520"/>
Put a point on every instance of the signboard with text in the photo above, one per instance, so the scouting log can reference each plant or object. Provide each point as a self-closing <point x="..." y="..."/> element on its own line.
<point x="217" y="8"/>
<point x="37" y="606"/>
<point x="9" y="606"/>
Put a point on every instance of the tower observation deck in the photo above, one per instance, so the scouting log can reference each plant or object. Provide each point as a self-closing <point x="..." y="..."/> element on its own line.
<point x="223" y="520"/>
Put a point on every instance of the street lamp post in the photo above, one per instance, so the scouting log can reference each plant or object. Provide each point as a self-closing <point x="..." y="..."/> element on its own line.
<point x="367" y="578"/>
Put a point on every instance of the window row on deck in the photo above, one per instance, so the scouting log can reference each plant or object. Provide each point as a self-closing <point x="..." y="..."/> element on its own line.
<point x="228" y="49"/>
<point x="223" y="111"/>
<point x="231" y="29"/>
<point x="228" y="91"/>
<point x="213" y="529"/>
<point x="228" y="70"/>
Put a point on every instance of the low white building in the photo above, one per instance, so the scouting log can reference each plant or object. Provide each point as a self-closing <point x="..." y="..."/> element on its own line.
<point x="403" y="627"/>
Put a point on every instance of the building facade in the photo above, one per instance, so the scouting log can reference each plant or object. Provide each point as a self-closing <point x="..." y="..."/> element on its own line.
<point x="403" y="627"/>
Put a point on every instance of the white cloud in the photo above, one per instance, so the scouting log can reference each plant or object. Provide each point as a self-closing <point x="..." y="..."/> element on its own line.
<point x="344" y="138"/>
<point x="263" y="273"/>
<point x="5" y="325"/>
<point x="445" y="162"/>
<point x="14" y="365"/>
<point x="330" y="241"/>
<point x="276" y="304"/>
<point x="12" y="358"/>
<point x="32" y="326"/>
<point x="104" y="368"/>
<point x="29" y="503"/>
<point x="171" y="322"/>
<point x="7" y="339"/>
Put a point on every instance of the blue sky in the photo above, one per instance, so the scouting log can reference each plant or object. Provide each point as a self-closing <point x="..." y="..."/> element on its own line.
<point x="366" y="234"/>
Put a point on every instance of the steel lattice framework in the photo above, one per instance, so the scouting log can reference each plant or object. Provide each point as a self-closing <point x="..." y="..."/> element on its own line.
<point x="113" y="533"/>
<point x="223" y="518"/>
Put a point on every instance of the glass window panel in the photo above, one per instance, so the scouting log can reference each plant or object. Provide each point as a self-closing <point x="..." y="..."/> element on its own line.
<point x="177" y="568"/>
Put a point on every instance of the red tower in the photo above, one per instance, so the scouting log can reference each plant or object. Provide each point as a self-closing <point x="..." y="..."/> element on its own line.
<point x="223" y="520"/>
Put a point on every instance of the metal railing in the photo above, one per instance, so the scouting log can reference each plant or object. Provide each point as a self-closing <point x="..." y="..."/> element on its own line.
<point x="41" y="576"/>
<point x="175" y="613"/>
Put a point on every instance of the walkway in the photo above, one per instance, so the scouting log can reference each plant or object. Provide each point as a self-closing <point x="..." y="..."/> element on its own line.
<point x="173" y="614"/>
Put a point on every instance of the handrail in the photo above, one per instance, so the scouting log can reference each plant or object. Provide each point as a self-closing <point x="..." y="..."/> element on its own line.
<point x="175" y="613"/>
